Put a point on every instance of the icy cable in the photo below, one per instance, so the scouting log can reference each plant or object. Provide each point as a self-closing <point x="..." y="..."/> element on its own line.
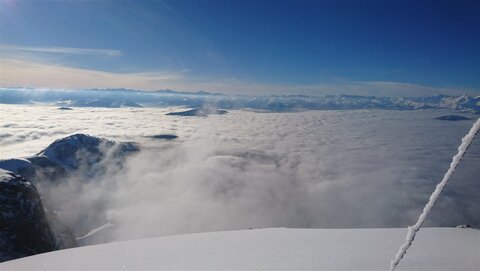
<point x="412" y="231"/>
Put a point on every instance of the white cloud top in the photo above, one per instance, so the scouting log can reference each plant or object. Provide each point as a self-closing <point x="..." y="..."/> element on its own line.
<point x="319" y="169"/>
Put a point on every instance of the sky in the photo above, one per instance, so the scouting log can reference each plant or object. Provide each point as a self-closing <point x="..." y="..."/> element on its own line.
<point x="243" y="47"/>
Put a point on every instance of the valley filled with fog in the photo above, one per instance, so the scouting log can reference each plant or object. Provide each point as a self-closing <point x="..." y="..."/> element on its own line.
<point x="244" y="169"/>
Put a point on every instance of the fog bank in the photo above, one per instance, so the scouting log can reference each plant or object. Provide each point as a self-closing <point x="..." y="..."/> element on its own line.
<point x="314" y="169"/>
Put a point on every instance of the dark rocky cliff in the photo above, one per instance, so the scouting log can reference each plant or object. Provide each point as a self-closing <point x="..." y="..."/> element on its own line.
<point x="24" y="226"/>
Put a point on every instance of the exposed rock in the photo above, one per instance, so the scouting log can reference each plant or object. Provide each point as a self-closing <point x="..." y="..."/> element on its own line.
<point x="80" y="150"/>
<point x="452" y="118"/>
<point x="198" y="112"/>
<point x="24" y="226"/>
<point x="464" y="226"/>
<point x="164" y="136"/>
<point x="91" y="154"/>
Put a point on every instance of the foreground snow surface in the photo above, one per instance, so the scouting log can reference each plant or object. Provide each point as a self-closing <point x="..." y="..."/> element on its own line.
<point x="273" y="248"/>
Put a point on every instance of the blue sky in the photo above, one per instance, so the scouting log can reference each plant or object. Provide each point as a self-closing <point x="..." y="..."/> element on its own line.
<point x="244" y="47"/>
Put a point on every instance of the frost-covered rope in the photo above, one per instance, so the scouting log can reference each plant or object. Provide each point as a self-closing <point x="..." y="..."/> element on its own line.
<point x="412" y="231"/>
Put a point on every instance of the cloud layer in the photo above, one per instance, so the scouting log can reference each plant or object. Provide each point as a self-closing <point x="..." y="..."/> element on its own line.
<point x="319" y="169"/>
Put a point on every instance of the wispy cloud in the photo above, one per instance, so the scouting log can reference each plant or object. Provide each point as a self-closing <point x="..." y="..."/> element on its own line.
<point x="17" y="72"/>
<point x="33" y="71"/>
<point x="60" y="50"/>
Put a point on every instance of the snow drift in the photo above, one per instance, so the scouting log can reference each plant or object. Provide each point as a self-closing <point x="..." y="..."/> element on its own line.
<point x="272" y="249"/>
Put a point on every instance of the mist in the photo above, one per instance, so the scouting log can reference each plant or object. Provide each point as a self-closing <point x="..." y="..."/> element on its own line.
<point x="313" y="169"/>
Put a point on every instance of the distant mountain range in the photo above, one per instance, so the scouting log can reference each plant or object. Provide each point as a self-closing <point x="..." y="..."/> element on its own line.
<point x="114" y="98"/>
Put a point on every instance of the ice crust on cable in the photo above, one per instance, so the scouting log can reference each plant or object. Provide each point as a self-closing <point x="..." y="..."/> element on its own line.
<point x="412" y="231"/>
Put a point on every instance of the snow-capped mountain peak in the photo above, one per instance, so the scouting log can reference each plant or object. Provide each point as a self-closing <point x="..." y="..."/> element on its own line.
<point x="78" y="149"/>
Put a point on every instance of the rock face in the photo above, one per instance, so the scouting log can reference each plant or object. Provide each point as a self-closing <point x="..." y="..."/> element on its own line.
<point x="24" y="227"/>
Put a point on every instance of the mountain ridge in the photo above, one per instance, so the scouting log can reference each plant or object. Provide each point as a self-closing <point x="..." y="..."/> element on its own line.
<point x="114" y="98"/>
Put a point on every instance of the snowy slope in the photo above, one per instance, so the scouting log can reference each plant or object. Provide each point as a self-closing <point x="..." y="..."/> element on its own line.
<point x="79" y="150"/>
<point x="274" y="248"/>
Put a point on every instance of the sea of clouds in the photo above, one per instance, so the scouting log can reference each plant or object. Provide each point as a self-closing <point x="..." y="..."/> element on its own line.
<point x="311" y="169"/>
